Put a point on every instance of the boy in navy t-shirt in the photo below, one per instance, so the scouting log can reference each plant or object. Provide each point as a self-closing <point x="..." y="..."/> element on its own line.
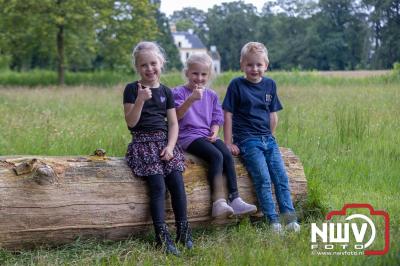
<point x="250" y="107"/>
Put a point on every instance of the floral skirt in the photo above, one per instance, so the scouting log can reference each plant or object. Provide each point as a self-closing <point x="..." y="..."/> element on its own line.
<point x="143" y="155"/>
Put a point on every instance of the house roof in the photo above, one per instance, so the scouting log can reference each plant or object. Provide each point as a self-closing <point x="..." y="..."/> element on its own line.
<point x="193" y="39"/>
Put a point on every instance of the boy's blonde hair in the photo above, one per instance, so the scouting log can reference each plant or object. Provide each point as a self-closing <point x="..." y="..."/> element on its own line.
<point x="200" y="58"/>
<point x="255" y="48"/>
<point x="146" y="46"/>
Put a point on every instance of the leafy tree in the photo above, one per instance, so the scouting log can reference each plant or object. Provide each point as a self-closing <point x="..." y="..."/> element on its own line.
<point x="165" y="39"/>
<point x="384" y="17"/>
<point x="58" y="33"/>
<point x="292" y="8"/>
<point x="284" y="37"/>
<point x="121" y="26"/>
<point x="191" y="18"/>
<point x="100" y="34"/>
<point x="231" y="25"/>
<point x="36" y="32"/>
<point x="337" y="22"/>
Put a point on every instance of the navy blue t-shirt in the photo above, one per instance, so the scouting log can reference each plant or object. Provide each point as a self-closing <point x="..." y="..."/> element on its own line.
<point x="251" y="103"/>
<point x="154" y="112"/>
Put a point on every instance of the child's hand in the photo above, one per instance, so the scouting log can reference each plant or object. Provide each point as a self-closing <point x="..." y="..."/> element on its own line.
<point x="213" y="136"/>
<point x="144" y="93"/>
<point x="167" y="153"/>
<point x="233" y="149"/>
<point x="197" y="93"/>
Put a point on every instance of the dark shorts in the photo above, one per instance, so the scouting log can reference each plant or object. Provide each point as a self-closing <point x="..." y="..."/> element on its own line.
<point x="143" y="155"/>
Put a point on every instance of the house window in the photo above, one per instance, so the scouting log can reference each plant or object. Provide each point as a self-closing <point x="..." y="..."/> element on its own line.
<point x="187" y="55"/>
<point x="179" y="44"/>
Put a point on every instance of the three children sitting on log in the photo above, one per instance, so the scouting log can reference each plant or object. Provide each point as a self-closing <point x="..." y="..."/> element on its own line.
<point x="191" y="114"/>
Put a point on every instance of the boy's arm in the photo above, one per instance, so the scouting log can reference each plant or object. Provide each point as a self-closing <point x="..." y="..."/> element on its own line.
<point x="168" y="152"/>
<point x="228" y="133"/>
<point x="273" y="121"/>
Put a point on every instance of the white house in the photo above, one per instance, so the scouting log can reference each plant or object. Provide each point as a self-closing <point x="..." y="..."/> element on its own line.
<point x="216" y="59"/>
<point x="189" y="43"/>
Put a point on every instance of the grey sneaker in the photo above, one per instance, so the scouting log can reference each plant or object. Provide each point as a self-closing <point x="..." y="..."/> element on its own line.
<point x="293" y="226"/>
<point x="240" y="207"/>
<point x="277" y="228"/>
<point x="221" y="209"/>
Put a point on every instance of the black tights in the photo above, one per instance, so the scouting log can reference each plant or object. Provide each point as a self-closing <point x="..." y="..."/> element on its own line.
<point x="157" y="185"/>
<point x="220" y="160"/>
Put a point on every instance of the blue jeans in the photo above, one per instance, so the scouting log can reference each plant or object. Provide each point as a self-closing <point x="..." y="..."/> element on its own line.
<point x="264" y="163"/>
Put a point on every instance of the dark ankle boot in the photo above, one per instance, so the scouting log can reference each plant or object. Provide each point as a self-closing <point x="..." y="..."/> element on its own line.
<point x="184" y="234"/>
<point x="163" y="239"/>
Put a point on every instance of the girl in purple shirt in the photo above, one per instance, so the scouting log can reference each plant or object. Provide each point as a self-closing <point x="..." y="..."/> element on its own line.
<point x="200" y="116"/>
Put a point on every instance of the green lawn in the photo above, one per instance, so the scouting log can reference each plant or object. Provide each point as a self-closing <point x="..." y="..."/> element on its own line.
<point x="345" y="131"/>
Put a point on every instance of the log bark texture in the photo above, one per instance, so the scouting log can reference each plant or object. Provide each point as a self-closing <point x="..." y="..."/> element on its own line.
<point x="54" y="200"/>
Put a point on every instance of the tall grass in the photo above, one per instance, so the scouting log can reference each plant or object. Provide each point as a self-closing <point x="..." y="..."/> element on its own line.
<point x="344" y="132"/>
<point x="37" y="78"/>
<point x="351" y="124"/>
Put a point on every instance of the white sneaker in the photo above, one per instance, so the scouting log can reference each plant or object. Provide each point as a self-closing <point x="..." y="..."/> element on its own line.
<point x="221" y="209"/>
<point x="240" y="207"/>
<point x="277" y="228"/>
<point x="293" y="226"/>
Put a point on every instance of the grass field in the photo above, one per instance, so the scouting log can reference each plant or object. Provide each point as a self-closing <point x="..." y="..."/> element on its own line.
<point x="344" y="130"/>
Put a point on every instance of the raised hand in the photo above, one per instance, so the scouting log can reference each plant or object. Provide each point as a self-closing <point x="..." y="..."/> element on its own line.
<point x="197" y="93"/>
<point x="144" y="93"/>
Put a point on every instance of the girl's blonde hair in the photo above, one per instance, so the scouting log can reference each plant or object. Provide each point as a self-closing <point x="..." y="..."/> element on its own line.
<point x="254" y="48"/>
<point x="200" y="58"/>
<point x="146" y="46"/>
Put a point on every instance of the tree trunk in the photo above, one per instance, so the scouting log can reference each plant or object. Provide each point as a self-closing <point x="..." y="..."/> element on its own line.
<point x="54" y="200"/>
<point x="60" y="55"/>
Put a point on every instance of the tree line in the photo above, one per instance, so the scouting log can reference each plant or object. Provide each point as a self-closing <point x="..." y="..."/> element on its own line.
<point x="323" y="35"/>
<point x="99" y="34"/>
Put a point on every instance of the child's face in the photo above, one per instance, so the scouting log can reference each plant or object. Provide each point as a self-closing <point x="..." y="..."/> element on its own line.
<point x="148" y="66"/>
<point x="254" y="66"/>
<point x="197" y="74"/>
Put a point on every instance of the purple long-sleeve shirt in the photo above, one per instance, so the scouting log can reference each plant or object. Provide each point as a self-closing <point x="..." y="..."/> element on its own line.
<point x="197" y="121"/>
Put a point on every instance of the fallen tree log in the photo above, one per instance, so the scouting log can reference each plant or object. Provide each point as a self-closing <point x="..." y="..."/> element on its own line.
<point x="54" y="200"/>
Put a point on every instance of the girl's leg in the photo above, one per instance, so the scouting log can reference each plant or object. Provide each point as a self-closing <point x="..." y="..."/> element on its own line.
<point x="238" y="205"/>
<point x="229" y="169"/>
<point x="176" y="188"/>
<point x="157" y="190"/>
<point x="208" y="152"/>
<point x="156" y="186"/>
<point x="205" y="150"/>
